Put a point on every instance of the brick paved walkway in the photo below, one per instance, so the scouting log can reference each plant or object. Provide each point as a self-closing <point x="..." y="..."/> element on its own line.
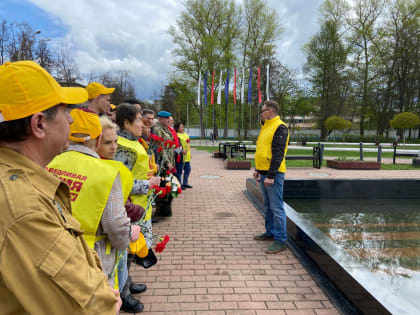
<point x="212" y="265"/>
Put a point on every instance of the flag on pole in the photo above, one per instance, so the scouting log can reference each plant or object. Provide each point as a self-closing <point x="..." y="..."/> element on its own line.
<point x="205" y="89"/>
<point x="258" y="85"/>
<point x="219" y="92"/>
<point x="242" y="86"/>
<point x="234" y="88"/>
<point x="198" y="90"/>
<point x="267" y="83"/>
<point x="250" y="87"/>
<point x="227" y="87"/>
<point x="212" y="90"/>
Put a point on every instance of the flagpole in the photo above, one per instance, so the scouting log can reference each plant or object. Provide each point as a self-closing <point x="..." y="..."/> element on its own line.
<point x="234" y="106"/>
<point x="188" y="121"/>
<point x="227" y="103"/>
<point x="234" y="117"/>
<point x="250" y="117"/>
<point x="242" y="100"/>
<point x="250" y="98"/>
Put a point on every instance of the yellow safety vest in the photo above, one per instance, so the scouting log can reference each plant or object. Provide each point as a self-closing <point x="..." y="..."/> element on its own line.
<point x="90" y="181"/>
<point x="141" y="170"/>
<point x="185" y="145"/>
<point x="263" y="152"/>
<point x="152" y="160"/>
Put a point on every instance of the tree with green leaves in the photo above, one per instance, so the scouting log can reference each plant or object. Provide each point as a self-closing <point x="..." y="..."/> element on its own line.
<point x="260" y="28"/>
<point x="365" y="14"/>
<point x="336" y="123"/>
<point x="205" y="39"/>
<point x="326" y="55"/>
<point x="405" y="120"/>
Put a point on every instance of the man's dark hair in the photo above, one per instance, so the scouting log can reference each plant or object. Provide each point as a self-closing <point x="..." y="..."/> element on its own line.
<point x="273" y="105"/>
<point x="132" y="101"/>
<point x="126" y="111"/>
<point x="19" y="129"/>
<point x="176" y="126"/>
<point x="147" y="111"/>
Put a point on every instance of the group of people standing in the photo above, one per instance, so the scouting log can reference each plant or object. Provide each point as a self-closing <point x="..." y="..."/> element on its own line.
<point x="75" y="186"/>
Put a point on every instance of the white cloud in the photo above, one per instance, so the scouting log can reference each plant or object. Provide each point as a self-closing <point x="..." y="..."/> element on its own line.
<point x="133" y="35"/>
<point x="299" y="19"/>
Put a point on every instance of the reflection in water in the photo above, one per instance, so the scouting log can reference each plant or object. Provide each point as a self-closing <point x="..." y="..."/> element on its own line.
<point x="383" y="234"/>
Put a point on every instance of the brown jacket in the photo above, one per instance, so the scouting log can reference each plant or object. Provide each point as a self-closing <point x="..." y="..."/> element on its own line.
<point x="46" y="266"/>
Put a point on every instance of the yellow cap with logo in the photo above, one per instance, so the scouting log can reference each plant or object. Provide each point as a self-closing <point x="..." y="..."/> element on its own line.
<point x="26" y="88"/>
<point x="84" y="122"/>
<point x="94" y="89"/>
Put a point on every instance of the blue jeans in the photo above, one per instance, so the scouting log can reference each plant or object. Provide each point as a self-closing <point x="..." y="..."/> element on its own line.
<point x="179" y="167"/>
<point x="275" y="216"/>
<point x="187" y="171"/>
<point x="122" y="271"/>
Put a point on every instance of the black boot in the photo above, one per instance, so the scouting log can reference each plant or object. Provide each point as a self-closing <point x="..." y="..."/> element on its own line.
<point x="136" y="288"/>
<point x="131" y="305"/>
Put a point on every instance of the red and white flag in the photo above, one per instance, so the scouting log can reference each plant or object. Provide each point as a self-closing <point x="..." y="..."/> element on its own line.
<point x="219" y="90"/>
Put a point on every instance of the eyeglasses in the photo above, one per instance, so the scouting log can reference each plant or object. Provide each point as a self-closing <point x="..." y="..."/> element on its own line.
<point x="264" y="110"/>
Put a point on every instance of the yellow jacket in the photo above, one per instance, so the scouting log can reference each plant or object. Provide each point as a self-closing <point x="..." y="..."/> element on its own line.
<point x="141" y="170"/>
<point x="263" y="152"/>
<point x="185" y="145"/>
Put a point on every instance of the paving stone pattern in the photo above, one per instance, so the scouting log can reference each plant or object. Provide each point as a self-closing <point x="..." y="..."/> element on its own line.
<point x="212" y="265"/>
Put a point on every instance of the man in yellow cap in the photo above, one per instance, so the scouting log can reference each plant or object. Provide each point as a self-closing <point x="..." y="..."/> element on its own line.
<point x="46" y="265"/>
<point x="99" y="98"/>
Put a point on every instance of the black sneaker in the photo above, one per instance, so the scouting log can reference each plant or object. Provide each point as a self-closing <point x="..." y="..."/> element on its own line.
<point x="131" y="305"/>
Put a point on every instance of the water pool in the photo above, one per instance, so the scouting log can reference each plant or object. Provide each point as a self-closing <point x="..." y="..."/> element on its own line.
<point x="381" y="234"/>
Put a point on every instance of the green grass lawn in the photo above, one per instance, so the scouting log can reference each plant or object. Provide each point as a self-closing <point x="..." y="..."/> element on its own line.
<point x="329" y="153"/>
<point x="370" y="146"/>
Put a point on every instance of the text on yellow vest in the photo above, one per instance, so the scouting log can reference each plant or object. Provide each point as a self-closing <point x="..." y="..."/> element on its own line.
<point x="90" y="182"/>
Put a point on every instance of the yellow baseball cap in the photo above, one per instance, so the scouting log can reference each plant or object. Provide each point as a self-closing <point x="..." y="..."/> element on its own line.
<point x="94" y="89"/>
<point x="85" y="122"/>
<point x="26" y="88"/>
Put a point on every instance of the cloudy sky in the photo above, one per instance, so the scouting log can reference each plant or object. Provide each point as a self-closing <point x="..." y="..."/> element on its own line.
<point x="133" y="34"/>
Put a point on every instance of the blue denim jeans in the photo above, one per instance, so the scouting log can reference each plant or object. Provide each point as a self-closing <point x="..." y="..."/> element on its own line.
<point x="187" y="171"/>
<point x="179" y="167"/>
<point x="122" y="271"/>
<point x="275" y="216"/>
